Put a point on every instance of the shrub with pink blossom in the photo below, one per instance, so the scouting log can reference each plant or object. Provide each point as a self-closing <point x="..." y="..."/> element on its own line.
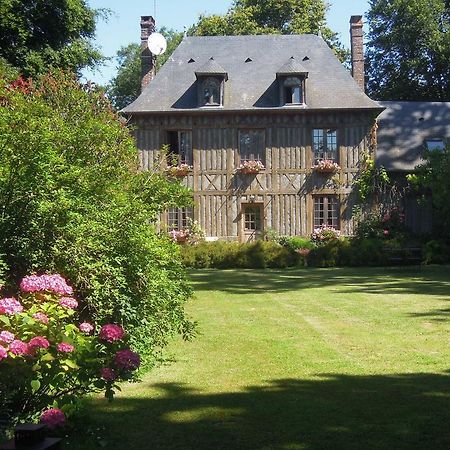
<point x="48" y="359"/>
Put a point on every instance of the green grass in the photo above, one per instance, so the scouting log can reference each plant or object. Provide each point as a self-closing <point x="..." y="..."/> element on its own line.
<point x="297" y="359"/>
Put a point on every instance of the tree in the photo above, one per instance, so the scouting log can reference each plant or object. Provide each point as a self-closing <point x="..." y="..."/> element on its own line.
<point x="37" y="34"/>
<point x="271" y="17"/>
<point x="408" y="51"/>
<point x="125" y="87"/>
<point x="73" y="201"/>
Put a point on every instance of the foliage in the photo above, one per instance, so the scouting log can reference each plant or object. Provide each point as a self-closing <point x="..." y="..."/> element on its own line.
<point x="296" y="242"/>
<point x="224" y="255"/>
<point x="248" y="17"/>
<point x="433" y="176"/>
<point x="73" y="201"/>
<point x="372" y="181"/>
<point x="36" y="35"/>
<point x="324" y="234"/>
<point x="408" y="50"/>
<point x="48" y="359"/>
<point x="125" y="87"/>
<point x="387" y="225"/>
<point x="436" y="251"/>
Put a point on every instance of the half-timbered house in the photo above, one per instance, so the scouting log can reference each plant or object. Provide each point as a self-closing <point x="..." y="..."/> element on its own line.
<point x="272" y="128"/>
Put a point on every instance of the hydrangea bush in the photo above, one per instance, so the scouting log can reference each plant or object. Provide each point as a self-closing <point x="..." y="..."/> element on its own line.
<point x="49" y="358"/>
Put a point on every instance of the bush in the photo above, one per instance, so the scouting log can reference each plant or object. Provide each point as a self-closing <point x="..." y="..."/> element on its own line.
<point x="227" y="255"/>
<point x="48" y="359"/>
<point x="74" y="202"/>
<point x="437" y="252"/>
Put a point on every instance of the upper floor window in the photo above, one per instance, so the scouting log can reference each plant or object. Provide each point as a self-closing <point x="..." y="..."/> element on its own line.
<point x="326" y="211"/>
<point x="435" y="144"/>
<point x="180" y="147"/>
<point x="325" y="144"/>
<point x="251" y="145"/>
<point x="292" y="81"/>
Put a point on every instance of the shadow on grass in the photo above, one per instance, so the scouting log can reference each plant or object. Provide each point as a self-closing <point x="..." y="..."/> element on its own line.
<point x="409" y="411"/>
<point x="430" y="280"/>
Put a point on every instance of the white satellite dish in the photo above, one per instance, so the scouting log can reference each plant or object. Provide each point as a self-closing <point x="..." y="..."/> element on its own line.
<point x="157" y="43"/>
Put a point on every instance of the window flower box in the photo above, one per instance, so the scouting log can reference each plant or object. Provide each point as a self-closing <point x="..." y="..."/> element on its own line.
<point x="326" y="166"/>
<point x="179" y="171"/>
<point x="251" y="167"/>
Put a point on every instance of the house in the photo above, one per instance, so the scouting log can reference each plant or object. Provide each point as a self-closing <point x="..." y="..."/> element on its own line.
<point x="405" y="130"/>
<point x="273" y="128"/>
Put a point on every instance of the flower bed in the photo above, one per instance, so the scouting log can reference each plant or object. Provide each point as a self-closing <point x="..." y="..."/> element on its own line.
<point x="251" y="167"/>
<point x="178" y="171"/>
<point x="327" y="166"/>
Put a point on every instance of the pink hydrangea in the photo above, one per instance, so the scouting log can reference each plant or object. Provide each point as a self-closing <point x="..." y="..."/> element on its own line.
<point x="46" y="283"/>
<point x="86" y="327"/>
<point x="53" y="418"/>
<point x="40" y="317"/>
<point x="3" y="353"/>
<point x="37" y="342"/>
<point x="127" y="360"/>
<point x="6" y="337"/>
<point x="69" y="302"/>
<point x="10" y="306"/>
<point x="64" y="347"/>
<point x="111" y="332"/>
<point x="18" y="347"/>
<point x="108" y="374"/>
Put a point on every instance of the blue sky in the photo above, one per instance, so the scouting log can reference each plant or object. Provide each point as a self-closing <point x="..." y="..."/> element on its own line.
<point x="122" y="27"/>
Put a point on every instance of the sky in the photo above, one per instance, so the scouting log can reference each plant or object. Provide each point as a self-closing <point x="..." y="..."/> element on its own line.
<point x="122" y="27"/>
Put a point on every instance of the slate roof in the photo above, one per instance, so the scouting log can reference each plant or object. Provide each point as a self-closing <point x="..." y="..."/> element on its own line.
<point x="251" y="85"/>
<point x="211" y="68"/>
<point x="291" y="67"/>
<point x="403" y="128"/>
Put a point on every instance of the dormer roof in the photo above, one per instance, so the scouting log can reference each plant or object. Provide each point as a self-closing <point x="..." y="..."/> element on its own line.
<point x="292" y="67"/>
<point x="211" y="67"/>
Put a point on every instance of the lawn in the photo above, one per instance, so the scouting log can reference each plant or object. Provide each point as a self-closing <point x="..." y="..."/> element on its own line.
<point x="296" y="359"/>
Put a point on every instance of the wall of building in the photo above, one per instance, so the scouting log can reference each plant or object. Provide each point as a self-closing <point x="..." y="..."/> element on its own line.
<point x="286" y="187"/>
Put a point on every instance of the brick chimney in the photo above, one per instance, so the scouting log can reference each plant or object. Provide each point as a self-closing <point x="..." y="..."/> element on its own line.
<point x="356" y="39"/>
<point x="147" y="58"/>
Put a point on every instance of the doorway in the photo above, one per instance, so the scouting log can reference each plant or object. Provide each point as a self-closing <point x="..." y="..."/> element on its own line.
<point x="252" y="221"/>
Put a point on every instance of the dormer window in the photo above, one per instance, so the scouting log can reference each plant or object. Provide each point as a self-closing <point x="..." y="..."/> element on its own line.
<point x="293" y="91"/>
<point x="211" y="90"/>
<point x="211" y="80"/>
<point x="292" y="82"/>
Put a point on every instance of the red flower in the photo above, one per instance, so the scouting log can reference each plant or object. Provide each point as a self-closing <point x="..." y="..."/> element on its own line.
<point x="111" y="332"/>
<point x="53" y="418"/>
<point x="127" y="360"/>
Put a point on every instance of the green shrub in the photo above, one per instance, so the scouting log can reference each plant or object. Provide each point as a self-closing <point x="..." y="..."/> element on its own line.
<point x="74" y="202"/>
<point x="436" y="251"/>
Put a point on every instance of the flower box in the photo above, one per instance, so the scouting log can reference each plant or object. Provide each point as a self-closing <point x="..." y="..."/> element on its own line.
<point x="250" y="167"/>
<point x="326" y="166"/>
<point x="179" y="171"/>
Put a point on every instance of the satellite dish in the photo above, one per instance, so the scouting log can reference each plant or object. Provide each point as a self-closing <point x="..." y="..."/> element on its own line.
<point x="157" y="43"/>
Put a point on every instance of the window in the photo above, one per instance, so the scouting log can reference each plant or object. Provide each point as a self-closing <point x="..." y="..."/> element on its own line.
<point x="179" y="218"/>
<point x="252" y="218"/>
<point x="326" y="211"/>
<point x="180" y="147"/>
<point x="211" y="91"/>
<point x="435" y="144"/>
<point x="251" y="145"/>
<point x="293" y="91"/>
<point x="325" y="144"/>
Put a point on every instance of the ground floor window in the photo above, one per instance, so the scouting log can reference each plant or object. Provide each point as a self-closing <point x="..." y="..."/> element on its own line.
<point x="326" y="211"/>
<point x="252" y="218"/>
<point x="179" y="218"/>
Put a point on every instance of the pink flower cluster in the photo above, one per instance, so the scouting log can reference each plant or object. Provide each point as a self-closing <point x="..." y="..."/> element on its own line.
<point x="6" y="337"/>
<point x="127" y="360"/>
<point x="37" y="343"/>
<point x="3" y="352"/>
<point x="86" y="327"/>
<point x="111" y="333"/>
<point x="10" y="306"/>
<point x="179" y="235"/>
<point x="69" y="302"/>
<point x="53" y="418"/>
<point x="40" y="317"/>
<point x="327" y="165"/>
<point x="250" y="167"/>
<point x="108" y="374"/>
<point x="18" y="347"/>
<point x="46" y="283"/>
<point x="64" y="347"/>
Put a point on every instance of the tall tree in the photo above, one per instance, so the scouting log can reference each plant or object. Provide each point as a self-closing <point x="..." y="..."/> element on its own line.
<point x="408" y="51"/>
<point x="126" y="85"/>
<point x="38" y="34"/>
<point x="271" y="17"/>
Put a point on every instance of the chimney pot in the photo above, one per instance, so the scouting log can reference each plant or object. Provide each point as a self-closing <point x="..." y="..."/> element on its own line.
<point x="357" y="48"/>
